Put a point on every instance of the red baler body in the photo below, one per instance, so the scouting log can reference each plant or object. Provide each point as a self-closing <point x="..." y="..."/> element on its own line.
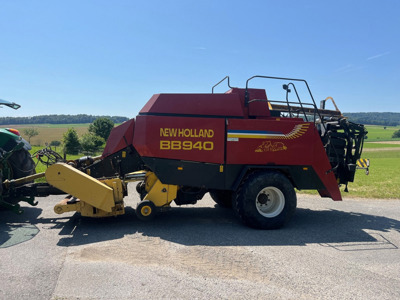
<point x="212" y="140"/>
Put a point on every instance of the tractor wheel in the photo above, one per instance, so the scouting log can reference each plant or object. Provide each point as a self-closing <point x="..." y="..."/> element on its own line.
<point x="146" y="210"/>
<point x="265" y="200"/>
<point x="222" y="198"/>
<point x="21" y="165"/>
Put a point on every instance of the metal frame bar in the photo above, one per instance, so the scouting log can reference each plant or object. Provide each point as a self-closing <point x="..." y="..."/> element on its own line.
<point x="288" y="79"/>
<point x="226" y="77"/>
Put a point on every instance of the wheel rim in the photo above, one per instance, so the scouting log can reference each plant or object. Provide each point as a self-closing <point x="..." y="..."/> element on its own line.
<point x="145" y="211"/>
<point x="270" y="202"/>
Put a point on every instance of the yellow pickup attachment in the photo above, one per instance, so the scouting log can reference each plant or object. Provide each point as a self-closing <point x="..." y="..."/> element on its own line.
<point x="90" y="197"/>
<point x="104" y="197"/>
<point x="157" y="192"/>
<point x="155" y="195"/>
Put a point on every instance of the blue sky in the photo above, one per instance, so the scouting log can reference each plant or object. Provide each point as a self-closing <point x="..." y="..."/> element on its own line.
<point x="110" y="57"/>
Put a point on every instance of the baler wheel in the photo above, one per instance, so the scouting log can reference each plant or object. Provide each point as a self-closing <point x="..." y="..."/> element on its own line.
<point x="265" y="200"/>
<point x="222" y="198"/>
<point x="141" y="189"/>
<point x="146" y="210"/>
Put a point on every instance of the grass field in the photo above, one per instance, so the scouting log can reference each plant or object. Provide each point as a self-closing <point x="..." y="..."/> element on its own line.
<point x="380" y="145"/>
<point x="384" y="176"/>
<point x="379" y="133"/>
<point x="50" y="132"/>
<point x="383" y="179"/>
<point x="382" y="182"/>
<point x="384" y="154"/>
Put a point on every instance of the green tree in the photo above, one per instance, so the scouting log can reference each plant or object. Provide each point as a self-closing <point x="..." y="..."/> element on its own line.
<point x="71" y="142"/>
<point x="91" y="143"/>
<point x="55" y="144"/>
<point x="396" y="134"/>
<point x="30" y="132"/>
<point x="101" y="127"/>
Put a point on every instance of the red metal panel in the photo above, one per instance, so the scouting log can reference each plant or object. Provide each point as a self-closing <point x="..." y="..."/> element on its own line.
<point x="229" y="104"/>
<point x="252" y="93"/>
<point x="195" y="104"/>
<point x="181" y="138"/>
<point x="120" y="137"/>
<point x="280" y="141"/>
<point x="258" y="108"/>
<point x="272" y="141"/>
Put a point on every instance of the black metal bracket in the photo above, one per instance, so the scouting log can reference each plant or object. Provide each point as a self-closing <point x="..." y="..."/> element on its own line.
<point x="226" y="77"/>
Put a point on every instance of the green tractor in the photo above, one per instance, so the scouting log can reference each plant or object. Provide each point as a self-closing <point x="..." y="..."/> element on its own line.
<point x="15" y="162"/>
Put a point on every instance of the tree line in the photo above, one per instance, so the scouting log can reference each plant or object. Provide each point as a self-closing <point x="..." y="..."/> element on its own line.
<point x="58" y="119"/>
<point x="375" y="118"/>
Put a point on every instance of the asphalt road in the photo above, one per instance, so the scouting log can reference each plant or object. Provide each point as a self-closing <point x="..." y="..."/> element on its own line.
<point x="330" y="250"/>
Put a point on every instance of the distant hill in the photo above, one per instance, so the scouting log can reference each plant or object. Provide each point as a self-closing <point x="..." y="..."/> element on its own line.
<point x="57" y="119"/>
<point x="375" y="118"/>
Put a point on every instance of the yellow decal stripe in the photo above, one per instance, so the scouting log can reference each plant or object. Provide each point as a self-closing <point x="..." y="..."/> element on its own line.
<point x="247" y="136"/>
<point x="295" y="133"/>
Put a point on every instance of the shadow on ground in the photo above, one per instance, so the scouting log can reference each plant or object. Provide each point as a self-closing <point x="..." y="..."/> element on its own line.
<point x="215" y="226"/>
<point x="15" y="229"/>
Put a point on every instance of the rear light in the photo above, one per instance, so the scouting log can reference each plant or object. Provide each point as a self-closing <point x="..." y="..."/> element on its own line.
<point x="12" y="130"/>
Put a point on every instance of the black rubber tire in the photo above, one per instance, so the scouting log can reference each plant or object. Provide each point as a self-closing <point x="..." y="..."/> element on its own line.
<point x="140" y="187"/>
<point x="21" y="165"/>
<point x="247" y="202"/>
<point x="146" y="210"/>
<point x="222" y="197"/>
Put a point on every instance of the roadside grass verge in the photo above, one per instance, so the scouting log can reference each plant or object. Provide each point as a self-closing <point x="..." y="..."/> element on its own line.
<point x="378" y="145"/>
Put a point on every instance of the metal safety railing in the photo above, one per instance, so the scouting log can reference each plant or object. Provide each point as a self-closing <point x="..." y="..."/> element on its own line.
<point x="296" y="108"/>
<point x="288" y="106"/>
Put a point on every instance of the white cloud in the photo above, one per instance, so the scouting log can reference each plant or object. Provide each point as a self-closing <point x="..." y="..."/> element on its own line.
<point x="345" y="68"/>
<point x="349" y="68"/>
<point x="378" y="55"/>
